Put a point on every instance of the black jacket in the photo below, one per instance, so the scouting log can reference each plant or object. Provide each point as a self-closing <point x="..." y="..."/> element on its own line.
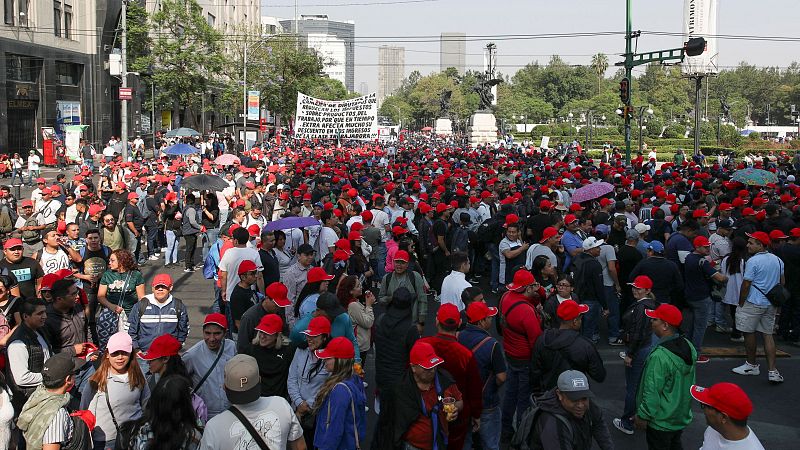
<point x="395" y="334"/>
<point x="551" y="432"/>
<point x="666" y="276"/>
<point x="637" y="332"/>
<point x="588" y="277"/>
<point x="558" y="350"/>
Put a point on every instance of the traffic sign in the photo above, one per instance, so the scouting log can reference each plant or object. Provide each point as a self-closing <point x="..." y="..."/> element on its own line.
<point x="125" y="93"/>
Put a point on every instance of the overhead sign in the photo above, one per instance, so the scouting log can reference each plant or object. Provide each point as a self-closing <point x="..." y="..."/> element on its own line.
<point x="355" y="119"/>
<point x="125" y="93"/>
<point x="253" y="101"/>
<point x="700" y="21"/>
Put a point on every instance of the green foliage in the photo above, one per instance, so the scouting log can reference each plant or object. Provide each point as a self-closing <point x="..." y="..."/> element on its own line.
<point x="675" y="130"/>
<point x="397" y="109"/>
<point x="755" y="135"/>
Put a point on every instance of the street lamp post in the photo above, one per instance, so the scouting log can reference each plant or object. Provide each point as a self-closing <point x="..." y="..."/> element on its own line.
<point x="642" y="110"/>
<point x="244" y="87"/>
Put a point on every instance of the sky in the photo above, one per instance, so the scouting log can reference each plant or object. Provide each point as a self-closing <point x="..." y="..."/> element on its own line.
<point x="397" y="22"/>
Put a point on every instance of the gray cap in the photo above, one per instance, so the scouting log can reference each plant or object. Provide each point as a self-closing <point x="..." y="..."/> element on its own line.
<point x="242" y="379"/>
<point x="574" y="385"/>
<point x="632" y="234"/>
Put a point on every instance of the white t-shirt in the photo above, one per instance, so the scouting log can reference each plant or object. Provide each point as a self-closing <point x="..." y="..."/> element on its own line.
<point x="33" y="162"/>
<point x="379" y="220"/>
<point x="452" y="287"/>
<point x="536" y="250"/>
<point x="230" y="263"/>
<point x="272" y="417"/>
<point x="328" y="239"/>
<point x="48" y="209"/>
<point x="712" y="440"/>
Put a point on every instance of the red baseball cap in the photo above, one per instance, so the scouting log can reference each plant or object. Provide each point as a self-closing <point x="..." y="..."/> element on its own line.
<point x="777" y="234"/>
<point x="748" y="212"/>
<point x="441" y="207"/>
<point x="48" y="280"/>
<point x="642" y="282"/>
<point x="26" y="203"/>
<point x="216" y="319"/>
<point x="477" y="311"/>
<point x="699" y="213"/>
<point x="354" y="235"/>
<point x="548" y="233"/>
<point x="666" y="312"/>
<point x="278" y="292"/>
<point x="246" y="266"/>
<point x="401" y="255"/>
<point x="511" y="219"/>
<point x="424" y="208"/>
<point x="570" y="309"/>
<point x="253" y="230"/>
<point x="448" y="314"/>
<point x="725" y="207"/>
<point x="11" y="243"/>
<point x="569" y="218"/>
<point x="162" y="279"/>
<point x="270" y="324"/>
<point x="727" y="398"/>
<point x="701" y="241"/>
<point x="795" y="232"/>
<point x="164" y="345"/>
<point x="522" y="278"/>
<point x="133" y="195"/>
<point x="760" y="236"/>
<point x="317" y="326"/>
<point x="366" y="216"/>
<point x="339" y="348"/>
<point x="316" y="274"/>
<point x="344" y="245"/>
<point x="423" y="355"/>
<point x="398" y="230"/>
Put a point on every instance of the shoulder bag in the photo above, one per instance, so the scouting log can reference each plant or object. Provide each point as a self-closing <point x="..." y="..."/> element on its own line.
<point x="249" y="427"/>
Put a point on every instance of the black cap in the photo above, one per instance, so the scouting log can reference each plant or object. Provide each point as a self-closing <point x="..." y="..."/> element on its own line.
<point x="305" y="249"/>
<point x="59" y="366"/>
<point x="329" y="303"/>
<point x="725" y="223"/>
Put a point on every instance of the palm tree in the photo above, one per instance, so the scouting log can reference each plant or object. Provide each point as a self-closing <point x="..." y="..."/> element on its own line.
<point x="600" y="65"/>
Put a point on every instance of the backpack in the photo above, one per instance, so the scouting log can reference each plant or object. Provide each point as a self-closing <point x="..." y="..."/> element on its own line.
<point x="210" y="266"/>
<point x="11" y="214"/>
<point x="459" y="239"/>
<point x="81" y="436"/>
<point x="31" y="236"/>
<point x="143" y="209"/>
<point x="527" y="425"/>
<point x="490" y="230"/>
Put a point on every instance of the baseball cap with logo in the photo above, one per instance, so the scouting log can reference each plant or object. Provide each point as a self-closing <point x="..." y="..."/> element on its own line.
<point x="592" y="242"/>
<point x="570" y="310"/>
<point x="423" y="355"/>
<point x="317" y="326"/>
<point x="574" y="385"/>
<point x="60" y="366"/>
<point x="477" y="311"/>
<point x="242" y="379"/>
<point x="726" y="398"/>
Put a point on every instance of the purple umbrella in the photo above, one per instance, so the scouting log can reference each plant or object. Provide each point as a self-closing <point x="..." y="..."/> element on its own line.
<point x="592" y="191"/>
<point x="291" y="222"/>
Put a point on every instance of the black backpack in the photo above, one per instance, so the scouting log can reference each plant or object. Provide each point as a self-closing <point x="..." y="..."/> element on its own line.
<point x="490" y="231"/>
<point x="81" y="436"/>
<point x="459" y="239"/>
<point x="523" y="436"/>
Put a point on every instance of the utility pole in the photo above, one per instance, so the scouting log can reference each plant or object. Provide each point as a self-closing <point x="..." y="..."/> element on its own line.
<point x="244" y="98"/>
<point x="628" y="75"/>
<point x="124" y="68"/>
<point x="698" y="79"/>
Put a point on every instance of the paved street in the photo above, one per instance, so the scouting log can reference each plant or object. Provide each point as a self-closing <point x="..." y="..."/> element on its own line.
<point x="774" y="418"/>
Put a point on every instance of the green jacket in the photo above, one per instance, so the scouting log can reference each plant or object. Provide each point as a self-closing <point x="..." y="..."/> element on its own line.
<point x="668" y="374"/>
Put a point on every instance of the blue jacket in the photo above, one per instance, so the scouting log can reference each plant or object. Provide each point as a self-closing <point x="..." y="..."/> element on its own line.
<point x="337" y="423"/>
<point x="341" y="326"/>
<point x="156" y="321"/>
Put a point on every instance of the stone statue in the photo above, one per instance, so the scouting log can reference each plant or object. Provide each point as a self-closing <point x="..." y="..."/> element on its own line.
<point x="444" y="103"/>
<point x="483" y="86"/>
<point x="726" y="108"/>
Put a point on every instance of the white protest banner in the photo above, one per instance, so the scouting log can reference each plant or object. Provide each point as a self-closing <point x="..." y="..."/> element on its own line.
<point x="700" y="20"/>
<point x="355" y="119"/>
<point x="545" y="142"/>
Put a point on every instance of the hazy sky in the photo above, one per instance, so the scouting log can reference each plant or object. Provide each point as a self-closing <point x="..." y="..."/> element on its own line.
<point x="398" y="23"/>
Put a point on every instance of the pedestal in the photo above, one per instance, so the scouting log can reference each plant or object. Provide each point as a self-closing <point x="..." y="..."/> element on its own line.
<point x="482" y="128"/>
<point x="444" y="127"/>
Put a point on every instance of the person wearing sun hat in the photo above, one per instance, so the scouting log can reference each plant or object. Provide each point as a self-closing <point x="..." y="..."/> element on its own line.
<point x="205" y="362"/>
<point x="664" y="410"/>
<point x="402" y="422"/>
<point x="726" y="408"/>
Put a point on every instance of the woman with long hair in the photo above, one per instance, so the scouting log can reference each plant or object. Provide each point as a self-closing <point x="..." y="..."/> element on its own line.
<point x="307" y="374"/>
<point x="317" y="281"/>
<point x="341" y="401"/>
<point x="120" y="288"/>
<point x="359" y="264"/>
<point x="733" y="267"/>
<point x="350" y="293"/>
<point x="168" y="422"/>
<point x="116" y="392"/>
<point x="105" y="188"/>
<point x="544" y="272"/>
<point x="9" y="309"/>
<point x="210" y="219"/>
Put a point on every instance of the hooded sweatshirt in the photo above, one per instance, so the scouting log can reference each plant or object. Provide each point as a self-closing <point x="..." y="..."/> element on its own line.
<point x="558" y="350"/>
<point x="552" y="432"/>
<point x="668" y="374"/>
<point x="395" y="334"/>
<point x="342" y="417"/>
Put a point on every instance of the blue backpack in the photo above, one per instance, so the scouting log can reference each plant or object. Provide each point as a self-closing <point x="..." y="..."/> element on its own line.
<point x="210" y="265"/>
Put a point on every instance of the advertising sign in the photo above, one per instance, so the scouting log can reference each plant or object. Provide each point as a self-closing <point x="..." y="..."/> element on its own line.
<point x="354" y="119"/>
<point x="253" y="100"/>
<point x="700" y="20"/>
<point x="67" y="113"/>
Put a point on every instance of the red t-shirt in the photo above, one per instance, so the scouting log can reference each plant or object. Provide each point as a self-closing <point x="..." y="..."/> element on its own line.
<point x="522" y="326"/>
<point x="420" y="433"/>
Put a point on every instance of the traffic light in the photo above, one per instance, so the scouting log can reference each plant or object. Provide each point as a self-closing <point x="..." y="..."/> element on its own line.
<point x="695" y="46"/>
<point x="624" y="91"/>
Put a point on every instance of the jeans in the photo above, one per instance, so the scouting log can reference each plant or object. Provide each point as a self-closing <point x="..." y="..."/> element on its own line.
<point x="152" y="238"/>
<point x="32" y="174"/>
<point x="663" y="440"/>
<point x="698" y="322"/>
<point x="191" y="246"/>
<point x="17" y="173"/>
<point x="378" y="263"/>
<point x="89" y="162"/>
<point x="212" y="235"/>
<point x="518" y="393"/>
<point x="171" y="255"/>
<point x="717" y="314"/>
<point x="489" y="431"/>
<point x="633" y="375"/>
<point x="612" y="300"/>
<point x="589" y="329"/>
<point x="494" y="273"/>
<point x="223" y="216"/>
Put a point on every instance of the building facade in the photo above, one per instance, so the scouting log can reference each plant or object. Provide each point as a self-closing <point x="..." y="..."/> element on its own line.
<point x="453" y="51"/>
<point x="53" y="56"/>
<point x="391" y="70"/>
<point x="332" y="40"/>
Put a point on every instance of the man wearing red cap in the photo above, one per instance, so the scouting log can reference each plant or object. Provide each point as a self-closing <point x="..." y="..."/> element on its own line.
<point x="156" y="314"/>
<point x="664" y="408"/>
<point x="463" y="366"/>
<point x="409" y="279"/>
<point x="699" y="276"/>
<point x="726" y="408"/>
<point x="206" y="361"/>
<point x="756" y="313"/>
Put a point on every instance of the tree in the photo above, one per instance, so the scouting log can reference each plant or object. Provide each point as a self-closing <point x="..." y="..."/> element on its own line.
<point x="186" y="53"/>
<point x="599" y="65"/>
<point x="397" y="109"/>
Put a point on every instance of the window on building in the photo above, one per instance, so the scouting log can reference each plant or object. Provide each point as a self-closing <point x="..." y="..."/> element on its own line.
<point x="22" y="68"/>
<point x="211" y="20"/>
<point x="57" y="18"/>
<point x="23" y="12"/>
<point x="68" y="21"/>
<point x="8" y="12"/>
<point x="68" y="74"/>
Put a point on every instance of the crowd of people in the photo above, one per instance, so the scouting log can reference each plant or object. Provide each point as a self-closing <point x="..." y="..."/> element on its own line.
<point x="322" y="258"/>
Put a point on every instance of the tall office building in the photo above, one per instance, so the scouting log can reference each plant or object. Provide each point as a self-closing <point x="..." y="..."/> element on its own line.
<point x="332" y="40"/>
<point x="391" y="70"/>
<point x="363" y="88"/>
<point x="453" y="51"/>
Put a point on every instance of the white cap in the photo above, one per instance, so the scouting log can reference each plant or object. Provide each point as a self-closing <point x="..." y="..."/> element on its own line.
<point x="592" y="242"/>
<point x="642" y="228"/>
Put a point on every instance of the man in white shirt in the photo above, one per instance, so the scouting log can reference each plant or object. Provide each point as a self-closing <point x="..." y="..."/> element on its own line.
<point x="272" y="417"/>
<point x="546" y="246"/>
<point x="455" y="283"/>
<point x="33" y="166"/>
<point x="726" y="407"/>
<point x="48" y="207"/>
<point x="229" y="264"/>
<point x="380" y="219"/>
<point x="327" y="236"/>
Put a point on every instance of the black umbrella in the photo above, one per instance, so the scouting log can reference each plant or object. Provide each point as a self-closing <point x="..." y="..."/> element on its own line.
<point x="204" y="182"/>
